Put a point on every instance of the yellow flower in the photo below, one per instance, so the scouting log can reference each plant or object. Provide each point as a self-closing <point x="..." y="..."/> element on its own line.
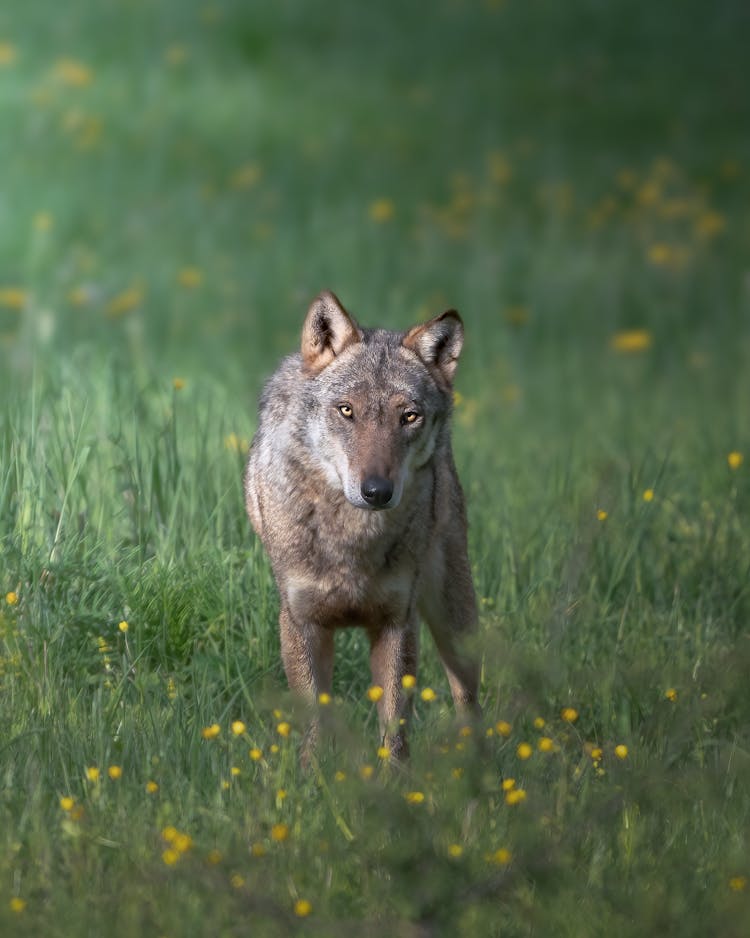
<point x="13" y="297"/>
<point x="280" y="795"/>
<point x="660" y="254"/>
<point x="374" y="693"/>
<point x="382" y="210"/>
<point x="501" y="857"/>
<point x="72" y="73"/>
<point x="428" y="694"/>
<point x="7" y="54"/>
<point x="284" y="729"/>
<point x="170" y="856"/>
<point x="546" y="744"/>
<point x="182" y="843"/>
<point x="324" y="699"/>
<point x="366" y="772"/>
<point x="384" y="752"/>
<point x="508" y="784"/>
<point x="735" y="460"/>
<point x="258" y="850"/>
<point x="524" y="751"/>
<point x="414" y="797"/>
<point x="515" y="796"/>
<point x="214" y="857"/>
<point x="43" y="221"/>
<point x="621" y="751"/>
<point x="11" y="598"/>
<point x="236" y="444"/>
<point x="504" y="728"/>
<point x="190" y="278"/>
<point x="279" y="832"/>
<point x="17" y="904"/>
<point x="238" y="727"/>
<point x="235" y="771"/>
<point x="246" y="176"/>
<point x="302" y="908"/>
<point x="539" y="723"/>
<point x="114" y="772"/>
<point x="648" y="495"/>
<point x="274" y="748"/>
<point x="124" y="302"/>
<point x="596" y="753"/>
<point x="169" y="833"/>
<point x="123" y="626"/>
<point x="671" y="694"/>
<point x="738" y="883"/>
<point x="602" y="515"/>
<point x="178" y="384"/>
<point x="67" y="803"/>
<point x="152" y="787"/>
<point x="256" y="754"/>
<point x="92" y="773"/>
<point x="709" y="224"/>
<point x="340" y="776"/>
<point x="408" y="682"/>
<point x="631" y="340"/>
<point x="211" y="732"/>
<point x="455" y="851"/>
<point x="457" y="773"/>
<point x="237" y="881"/>
<point x="569" y="714"/>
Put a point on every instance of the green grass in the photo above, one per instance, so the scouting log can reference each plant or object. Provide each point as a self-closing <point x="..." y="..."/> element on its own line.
<point x="171" y="200"/>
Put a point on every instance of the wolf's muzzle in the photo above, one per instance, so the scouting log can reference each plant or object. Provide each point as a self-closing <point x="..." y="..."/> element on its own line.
<point x="377" y="491"/>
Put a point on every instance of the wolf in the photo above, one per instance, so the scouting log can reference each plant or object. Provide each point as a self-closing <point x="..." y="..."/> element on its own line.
<point x="351" y="486"/>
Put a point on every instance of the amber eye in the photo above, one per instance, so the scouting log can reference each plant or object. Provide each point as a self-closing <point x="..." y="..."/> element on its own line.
<point x="409" y="416"/>
<point x="346" y="411"/>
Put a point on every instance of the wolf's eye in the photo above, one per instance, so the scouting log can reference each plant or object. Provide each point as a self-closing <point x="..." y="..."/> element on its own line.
<point x="409" y="416"/>
<point x="346" y="411"/>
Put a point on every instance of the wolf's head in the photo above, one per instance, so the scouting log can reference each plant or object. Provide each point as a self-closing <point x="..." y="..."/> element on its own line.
<point x="377" y="401"/>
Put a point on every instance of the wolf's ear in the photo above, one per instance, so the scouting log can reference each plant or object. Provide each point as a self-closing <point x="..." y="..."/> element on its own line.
<point x="438" y="342"/>
<point x="327" y="331"/>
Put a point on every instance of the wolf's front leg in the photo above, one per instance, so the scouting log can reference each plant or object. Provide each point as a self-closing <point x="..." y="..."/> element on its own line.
<point x="307" y="655"/>
<point x="394" y="651"/>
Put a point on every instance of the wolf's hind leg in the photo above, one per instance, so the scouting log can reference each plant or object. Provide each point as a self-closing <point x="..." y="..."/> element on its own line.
<point x="449" y="607"/>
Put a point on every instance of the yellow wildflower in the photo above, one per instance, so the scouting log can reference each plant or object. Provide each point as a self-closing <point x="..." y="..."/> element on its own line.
<point x="170" y="856"/>
<point x="258" y="850"/>
<point x="238" y="727"/>
<point x="92" y="773"/>
<point x="13" y="297"/>
<point x="152" y="787"/>
<point x="339" y="776"/>
<point x="123" y="626"/>
<point x="366" y="772"/>
<point x="17" y="904"/>
<point x="501" y="857"/>
<point x="735" y="460"/>
<point x="7" y="54"/>
<point x="279" y="832"/>
<point x="284" y="729"/>
<point x="631" y="340"/>
<point x="546" y="744"/>
<point x="384" y="752"/>
<point x="43" y="221"/>
<point x="414" y="797"/>
<point x="671" y="694"/>
<point x="428" y="694"/>
<point x="738" y="883"/>
<point x="381" y="210"/>
<point x="508" y="784"/>
<point x="374" y="693"/>
<point x="114" y="772"/>
<point x="524" y="751"/>
<point x="539" y="723"/>
<point x="515" y="796"/>
<point x="190" y="277"/>
<point x="178" y="384"/>
<point x="72" y="73"/>
<point x="214" y="857"/>
<point x="211" y="732"/>
<point x="709" y="224"/>
<point x="602" y="515"/>
<point x="569" y="714"/>
<point x="408" y="682"/>
<point x="660" y="254"/>
<point x="302" y="908"/>
<point x="621" y="751"/>
<point x="11" y="598"/>
<point x="324" y="699"/>
<point x="67" y="803"/>
<point x="256" y="754"/>
<point x="596" y="753"/>
<point x="648" y="495"/>
<point x="455" y="851"/>
<point x="237" y="881"/>
<point x="504" y="728"/>
<point x="124" y="302"/>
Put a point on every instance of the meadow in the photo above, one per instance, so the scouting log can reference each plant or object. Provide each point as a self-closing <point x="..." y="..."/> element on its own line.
<point x="179" y="179"/>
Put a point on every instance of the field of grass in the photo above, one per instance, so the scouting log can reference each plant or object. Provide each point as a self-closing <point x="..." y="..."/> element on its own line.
<point x="179" y="179"/>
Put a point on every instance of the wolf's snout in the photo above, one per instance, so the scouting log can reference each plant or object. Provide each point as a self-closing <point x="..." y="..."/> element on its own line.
<point x="377" y="491"/>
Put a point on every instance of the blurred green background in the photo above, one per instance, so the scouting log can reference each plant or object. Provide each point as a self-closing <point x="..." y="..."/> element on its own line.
<point x="178" y="179"/>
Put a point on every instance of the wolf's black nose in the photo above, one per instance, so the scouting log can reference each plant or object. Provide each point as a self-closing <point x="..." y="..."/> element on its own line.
<point x="377" y="491"/>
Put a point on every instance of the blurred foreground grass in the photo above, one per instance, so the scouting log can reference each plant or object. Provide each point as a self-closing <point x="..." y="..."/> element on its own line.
<point x="178" y="181"/>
